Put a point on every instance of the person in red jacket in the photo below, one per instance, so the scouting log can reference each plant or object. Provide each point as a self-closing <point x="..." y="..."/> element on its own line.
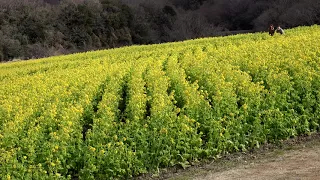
<point x="271" y="30"/>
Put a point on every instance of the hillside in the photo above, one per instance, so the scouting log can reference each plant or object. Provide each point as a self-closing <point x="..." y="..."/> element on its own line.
<point x="122" y="112"/>
<point x="31" y="29"/>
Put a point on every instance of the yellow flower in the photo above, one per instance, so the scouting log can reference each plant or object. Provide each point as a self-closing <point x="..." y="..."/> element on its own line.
<point x="245" y="106"/>
<point x="92" y="149"/>
<point x="163" y="131"/>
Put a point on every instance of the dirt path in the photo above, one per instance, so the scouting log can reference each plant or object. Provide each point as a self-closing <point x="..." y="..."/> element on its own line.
<point x="294" y="164"/>
<point x="297" y="158"/>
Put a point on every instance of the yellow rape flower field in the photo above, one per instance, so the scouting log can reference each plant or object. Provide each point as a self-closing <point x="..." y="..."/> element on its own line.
<point x="115" y="114"/>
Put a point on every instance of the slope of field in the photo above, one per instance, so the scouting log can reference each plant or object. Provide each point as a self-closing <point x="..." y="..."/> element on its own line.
<point x="122" y="112"/>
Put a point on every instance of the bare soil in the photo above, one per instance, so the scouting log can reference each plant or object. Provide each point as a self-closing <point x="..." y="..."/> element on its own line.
<point x="294" y="164"/>
<point x="297" y="158"/>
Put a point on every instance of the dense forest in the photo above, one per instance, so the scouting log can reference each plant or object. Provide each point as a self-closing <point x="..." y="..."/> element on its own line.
<point x="40" y="28"/>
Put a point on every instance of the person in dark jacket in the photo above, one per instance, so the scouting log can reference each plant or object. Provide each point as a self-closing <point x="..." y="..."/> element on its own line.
<point x="271" y="30"/>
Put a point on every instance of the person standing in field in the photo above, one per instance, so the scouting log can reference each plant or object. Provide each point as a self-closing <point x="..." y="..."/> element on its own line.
<point x="271" y="30"/>
<point x="280" y="30"/>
